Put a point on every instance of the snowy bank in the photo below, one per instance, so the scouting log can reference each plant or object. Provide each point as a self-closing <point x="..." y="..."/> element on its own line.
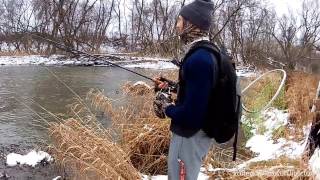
<point x="266" y="147"/>
<point x="28" y="60"/>
<point x="59" y="60"/>
<point x="31" y="159"/>
<point x="314" y="163"/>
<point x="245" y="72"/>
<point x="159" y="65"/>
<point x="162" y="65"/>
<point x="126" y="61"/>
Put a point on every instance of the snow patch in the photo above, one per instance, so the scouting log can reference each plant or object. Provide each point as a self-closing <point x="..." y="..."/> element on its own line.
<point x="108" y="49"/>
<point x="266" y="148"/>
<point x="314" y="163"/>
<point x="31" y="159"/>
<point x="132" y="62"/>
<point x="26" y="60"/>
<point x="160" y="65"/>
<point x="244" y="72"/>
<point x="274" y="120"/>
<point x="57" y="178"/>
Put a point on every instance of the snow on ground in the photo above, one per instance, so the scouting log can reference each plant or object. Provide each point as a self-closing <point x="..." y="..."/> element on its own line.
<point x="31" y="159"/>
<point x="108" y="49"/>
<point x="266" y="148"/>
<point x="149" y="58"/>
<point x="129" y="62"/>
<point x="160" y="65"/>
<point x="245" y="72"/>
<point x="314" y="163"/>
<point x="25" y="60"/>
<point x="57" y="178"/>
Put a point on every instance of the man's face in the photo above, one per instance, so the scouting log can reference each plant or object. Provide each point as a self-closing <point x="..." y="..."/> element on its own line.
<point x="179" y="26"/>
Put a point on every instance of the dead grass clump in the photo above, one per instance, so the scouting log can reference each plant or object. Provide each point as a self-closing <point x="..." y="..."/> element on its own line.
<point x="91" y="155"/>
<point x="148" y="142"/>
<point x="141" y="134"/>
<point x="139" y="88"/>
<point x="301" y="90"/>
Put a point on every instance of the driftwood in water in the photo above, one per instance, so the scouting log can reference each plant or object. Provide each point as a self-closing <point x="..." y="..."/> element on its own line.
<point x="314" y="135"/>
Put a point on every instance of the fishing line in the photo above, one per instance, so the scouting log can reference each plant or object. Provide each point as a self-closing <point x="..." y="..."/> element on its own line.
<point x="75" y="51"/>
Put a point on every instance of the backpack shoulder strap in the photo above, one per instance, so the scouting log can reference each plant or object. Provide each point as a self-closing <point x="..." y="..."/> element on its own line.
<point x="207" y="45"/>
<point x="210" y="47"/>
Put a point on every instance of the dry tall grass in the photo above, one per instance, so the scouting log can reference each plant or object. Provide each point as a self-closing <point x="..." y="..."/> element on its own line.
<point x="89" y="155"/>
<point x="143" y="135"/>
<point x="300" y="92"/>
<point x="136" y="141"/>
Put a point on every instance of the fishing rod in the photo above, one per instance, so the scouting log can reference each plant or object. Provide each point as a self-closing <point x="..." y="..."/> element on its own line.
<point x="75" y="51"/>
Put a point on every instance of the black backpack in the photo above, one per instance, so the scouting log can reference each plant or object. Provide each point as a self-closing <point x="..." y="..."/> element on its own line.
<point x="225" y="103"/>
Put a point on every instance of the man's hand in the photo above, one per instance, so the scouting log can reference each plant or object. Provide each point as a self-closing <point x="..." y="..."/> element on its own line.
<point x="163" y="84"/>
<point x="160" y="84"/>
<point x="161" y="102"/>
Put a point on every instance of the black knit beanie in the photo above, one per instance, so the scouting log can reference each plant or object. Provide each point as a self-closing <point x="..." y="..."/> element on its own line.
<point x="198" y="13"/>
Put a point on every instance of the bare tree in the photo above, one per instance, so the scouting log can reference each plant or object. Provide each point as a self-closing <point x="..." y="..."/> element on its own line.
<point x="286" y="38"/>
<point x="310" y="24"/>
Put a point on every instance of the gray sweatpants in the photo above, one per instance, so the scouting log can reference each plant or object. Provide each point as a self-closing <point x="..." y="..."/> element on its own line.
<point x="191" y="151"/>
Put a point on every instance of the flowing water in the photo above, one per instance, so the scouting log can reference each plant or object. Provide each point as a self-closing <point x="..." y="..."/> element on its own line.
<point x="21" y="84"/>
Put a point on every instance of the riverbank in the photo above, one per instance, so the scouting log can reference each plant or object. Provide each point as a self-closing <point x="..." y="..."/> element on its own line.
<point x="122" y="60"/>
<point x="61" y="60"/>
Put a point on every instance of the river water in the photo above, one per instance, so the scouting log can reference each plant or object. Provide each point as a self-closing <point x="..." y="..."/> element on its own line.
<point x="19" y="85"/>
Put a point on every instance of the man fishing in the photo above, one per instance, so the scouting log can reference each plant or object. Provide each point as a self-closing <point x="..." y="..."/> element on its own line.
<point x="197" y="76"/>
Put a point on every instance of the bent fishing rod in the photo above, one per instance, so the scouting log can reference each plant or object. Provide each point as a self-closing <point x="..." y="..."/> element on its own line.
<point x="75" y="51"/>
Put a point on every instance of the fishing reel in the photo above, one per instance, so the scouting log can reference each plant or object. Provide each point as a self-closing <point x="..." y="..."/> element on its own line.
<point x="163" y="98"/>
<point x="161" y="102"/>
